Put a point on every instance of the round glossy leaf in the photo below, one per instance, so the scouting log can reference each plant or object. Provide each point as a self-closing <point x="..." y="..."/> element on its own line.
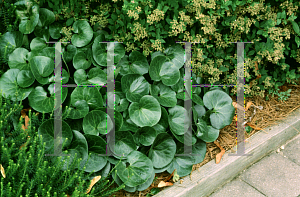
<point x="19" y="59"/>
<point x="10" y="41"/>
<point x="179" y="86"/>
<point x="97" y="76"/>
<point x="96" y="145"/>
<point x="79" y="110"/>
<point x="46" y="16"/>
<point x="177" y="119"/>
<point x="90" y="94"/>
<point x="83" y="33"/>
<point x="55" y="30"/>
<point x="200" y="149"/>
<point x="124" y="144"/>
<point x="39" y="100"/>
<point x="25" y="78"/>
<point x="117" y="179"/>
<point x="162" y="150"/>
<point x="95" y="122"/>
<point x="135" y="87"/>
<point x="118" y="121"/>
<point x="9" y="86"/>
<point x="80" y="76"/>
<point x="139" y="170"/>
<point x="146" y="135"/>
<point x="65" y="77"/>
<point x="41" y="65"/>
<point x="46" y="130"/>
<point x="78" y="146"/>
<point x="176" y="55"/>
<point x="161" y="69"/>
<point x="164" y="118"/>
<point x="223" y="110"/>
<point x="145" y="113"/>
<point x="210" y="135"/>
<point x="147" y="184"/>
<point x="122" y="104"/>
<point x="81" y="61"/>
<point x="200" y="110"/>
<point x="28" y="12"/>
<point x="37" y="44"/>
<point x="164" y="94"/>
<point x="136" y="63"/>
<point x="100" y="51"/>
<point x="47" y="52"/>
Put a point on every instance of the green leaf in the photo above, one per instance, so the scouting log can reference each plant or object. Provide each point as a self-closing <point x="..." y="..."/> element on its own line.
<point x="19" y="59"/>
<point x="81" y="61"/>
<point x="55" y="30"/>
<point x="95" y="122"/>
<point x="25" y="78"/>
<point x="46" y="17"/>
<point x="146" y="135"/>
<point x="140" y="169"/>
<point x="124" y="144"/>
<point x="41" y="66"/>
<point x="70" y="21"/>
<point x="96" y="145"/>
<point x="9" y="85"/>
<point x="136" y="63"/>
<point x="79" y="110"/>
<point x="83" y="33"/>
<point x="164" y="94"/>
<point x="10" y="41"/>
<point x="90" y="94"/>
<point x="177" y="119"/>
<point x="99" y="51"/>
<point x="145" y="113"/>
<point x="28" y="12"/>
<point x="222" y="106"/>
<point x="39" y="100"/>
<point x="46" y="130"/>
<point x="135" y="87"/>
<point x="162" y="150"/>
<point x="297" y="40"/>
<point x="296" y="27"/>
<point x="161" y="69"/>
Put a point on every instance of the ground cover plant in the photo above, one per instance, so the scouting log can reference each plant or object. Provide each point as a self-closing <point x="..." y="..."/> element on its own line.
<point x="149" y="94"/>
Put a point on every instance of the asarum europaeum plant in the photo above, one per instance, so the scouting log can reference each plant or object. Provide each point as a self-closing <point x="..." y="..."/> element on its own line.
<point x="149" y="100"/>
<point x="149" y="107"/>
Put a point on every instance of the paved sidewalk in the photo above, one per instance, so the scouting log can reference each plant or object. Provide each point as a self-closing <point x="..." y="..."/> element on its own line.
<point x="275" y="175"/>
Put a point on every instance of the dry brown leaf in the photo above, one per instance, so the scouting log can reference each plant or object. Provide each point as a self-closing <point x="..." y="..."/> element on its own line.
<point x="181" y="181"/>
<point x="219" y="155"/>
<point x="164" y="184"/>
<point x="248" y="105"/>
<point x="93" y="182"/>
<point x="2" y="171"/>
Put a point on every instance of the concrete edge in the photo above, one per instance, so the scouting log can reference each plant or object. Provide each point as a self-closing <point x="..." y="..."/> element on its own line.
<point x="212" y="175"/>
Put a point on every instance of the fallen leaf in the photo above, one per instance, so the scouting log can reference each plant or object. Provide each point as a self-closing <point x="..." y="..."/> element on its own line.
<point x="248" y="105"/>
<point x="93" y="182"/>
<point x="164" y="184"/>
<point x="219" y="155"/>
<point x="2" y="171"/>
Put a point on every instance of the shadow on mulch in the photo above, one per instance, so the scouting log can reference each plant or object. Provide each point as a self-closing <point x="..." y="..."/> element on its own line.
<point x="273" y="111"/>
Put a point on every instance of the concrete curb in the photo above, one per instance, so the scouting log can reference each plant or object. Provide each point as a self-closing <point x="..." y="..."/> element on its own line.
<point x="213" y="176"/>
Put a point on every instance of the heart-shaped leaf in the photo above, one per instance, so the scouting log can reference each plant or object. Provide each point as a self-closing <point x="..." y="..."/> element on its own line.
<point x="9" y="86"/>
<point x="90" y="94"/>
<point x="79" y="110"/>
<point x="135" y="87"/>
<point x="136" y="63"/>
<point x="223" y="110"/>
<point x="81" y="61"/>
<point x="145" y="113"/>
<point x="140" y="168"/>
<point x="37" y="44"/>
<point x="25" y="78"/>
<point x="162" y="69"/>
<point x="9" y="42"/>
<point x="124" y="144"/>
<point x="28" y="12"/>
<point x="46" y="130"/>
<point x="19" y="59"/>
<point x="162" y="150"/>
<point x="177" y="119"/>
<point x="43" y="101"/>
<point x="146" y="135"/>
<point x="95" y="122"/>
<point x="164" y="94"/>
<point x="83" y="33"/>
<point x="46" y="16"/>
